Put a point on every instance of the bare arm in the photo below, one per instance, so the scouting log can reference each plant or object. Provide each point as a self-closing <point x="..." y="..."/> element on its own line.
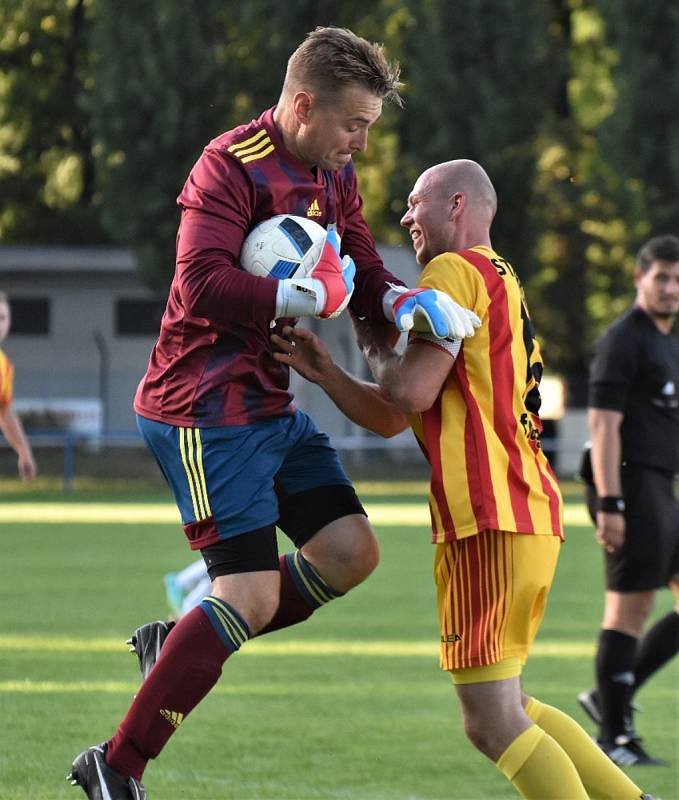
<point x="412" y="380"/>
<point x="606" y="458"/>
<point x="13" y="430"/>
<point x="362" y="402"/>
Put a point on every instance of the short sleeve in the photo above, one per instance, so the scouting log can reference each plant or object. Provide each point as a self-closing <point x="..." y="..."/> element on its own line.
<point x="613" y="369"/>
<point x="460" y="280"/>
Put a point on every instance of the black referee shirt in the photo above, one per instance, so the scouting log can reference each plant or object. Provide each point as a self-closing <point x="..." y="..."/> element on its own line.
<point x="635" y="370"/>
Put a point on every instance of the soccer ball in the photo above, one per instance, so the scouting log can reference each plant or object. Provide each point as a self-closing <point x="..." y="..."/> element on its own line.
<point x="283" y="246"/>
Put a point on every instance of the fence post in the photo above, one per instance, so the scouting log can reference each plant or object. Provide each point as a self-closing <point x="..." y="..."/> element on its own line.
<point x="70" y="442"/>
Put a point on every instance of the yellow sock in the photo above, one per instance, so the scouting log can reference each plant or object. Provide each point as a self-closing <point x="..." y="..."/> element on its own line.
<point x="540" y="770"/>
<point x="602" y="779"/>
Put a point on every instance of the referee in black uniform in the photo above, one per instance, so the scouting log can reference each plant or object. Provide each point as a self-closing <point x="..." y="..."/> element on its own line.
<point x="634" y="424"/>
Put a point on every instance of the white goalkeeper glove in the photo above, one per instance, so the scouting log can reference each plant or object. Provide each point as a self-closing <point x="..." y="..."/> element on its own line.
<point x="429" y="311"/>
<point x="327" y="289"/>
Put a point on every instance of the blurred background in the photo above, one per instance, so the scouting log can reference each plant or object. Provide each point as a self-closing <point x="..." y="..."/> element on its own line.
<point x="572" y="106"/>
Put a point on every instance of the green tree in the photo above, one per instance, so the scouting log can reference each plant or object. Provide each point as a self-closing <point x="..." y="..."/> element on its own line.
<point x="47" y="170"/>
<point x="158" y="100"/>
<point x="478" y="81"/>
<point x="641" y="136"/>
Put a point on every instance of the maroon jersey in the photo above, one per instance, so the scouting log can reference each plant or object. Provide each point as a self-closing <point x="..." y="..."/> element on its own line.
<point x="212" y="363"/>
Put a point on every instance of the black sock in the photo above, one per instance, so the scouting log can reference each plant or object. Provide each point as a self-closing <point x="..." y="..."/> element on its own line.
<point x="658" y="646"/>
<point x="615" y="677"/>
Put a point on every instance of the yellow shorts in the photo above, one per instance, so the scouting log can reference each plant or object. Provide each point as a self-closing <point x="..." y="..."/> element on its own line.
<point x="491" y="593"/>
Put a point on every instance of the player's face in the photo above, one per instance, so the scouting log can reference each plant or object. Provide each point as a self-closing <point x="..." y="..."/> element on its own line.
<point x="658" y="289"/>
<point x="5" y="321"/>
<point x="334" y="131"/>
<point x="428" y="219"/>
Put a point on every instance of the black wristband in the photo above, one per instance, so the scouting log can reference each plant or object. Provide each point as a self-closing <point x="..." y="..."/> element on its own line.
<point x="611" y="504"/>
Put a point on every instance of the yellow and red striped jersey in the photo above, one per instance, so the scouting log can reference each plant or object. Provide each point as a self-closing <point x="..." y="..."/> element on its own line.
<point x="482" y="435"/>
<point x="6" y="380"/>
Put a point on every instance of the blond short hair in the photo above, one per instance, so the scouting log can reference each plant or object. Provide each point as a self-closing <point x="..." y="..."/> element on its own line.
<point x="330" y="58"/>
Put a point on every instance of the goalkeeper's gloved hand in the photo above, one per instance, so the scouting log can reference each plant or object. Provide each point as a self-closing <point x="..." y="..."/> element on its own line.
<point x="432" y="311"/>
<point x="337" y="277"/>
<point x="327" y="289"/>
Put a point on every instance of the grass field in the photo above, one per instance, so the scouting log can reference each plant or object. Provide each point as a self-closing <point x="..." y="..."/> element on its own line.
<point x="349" y="706"/>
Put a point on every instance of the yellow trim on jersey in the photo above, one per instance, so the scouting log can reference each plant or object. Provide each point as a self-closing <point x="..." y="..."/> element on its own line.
<point x="251" y="149"/>
<point x="247" y="142"/>
<point x="257" y="155"/>
<point x="255" y="147"/>
<point x="192" y="459"/>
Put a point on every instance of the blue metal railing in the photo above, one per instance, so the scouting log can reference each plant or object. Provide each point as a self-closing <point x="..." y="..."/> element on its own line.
<point x="361" y="441"/>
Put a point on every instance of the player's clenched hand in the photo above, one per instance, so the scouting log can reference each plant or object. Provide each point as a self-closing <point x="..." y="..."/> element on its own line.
<point x="432" y="311"/>
<point x="336" y="276"/>
<point x="302" y="350"/>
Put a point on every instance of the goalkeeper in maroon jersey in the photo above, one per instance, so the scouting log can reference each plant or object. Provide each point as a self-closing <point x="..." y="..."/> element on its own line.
<point x="214" y="406"/>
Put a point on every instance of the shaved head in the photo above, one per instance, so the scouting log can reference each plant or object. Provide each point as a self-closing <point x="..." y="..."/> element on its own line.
<point x="450" y="208"/>
<point x="470" y="178"/>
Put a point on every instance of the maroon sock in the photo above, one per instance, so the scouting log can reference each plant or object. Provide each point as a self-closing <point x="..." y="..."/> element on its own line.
<point x="302" y="592"/>
<point x="189" y="665"/>
<point x="292" y="608"/>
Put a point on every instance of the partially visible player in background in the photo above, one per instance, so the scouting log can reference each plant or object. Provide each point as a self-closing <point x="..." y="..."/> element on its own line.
<point x="634" y="422"/>
<point x="495" y="504"/>
<point x="214" y="406"/>
<point x="10" y="424"/>
<point x="185" y="588"/>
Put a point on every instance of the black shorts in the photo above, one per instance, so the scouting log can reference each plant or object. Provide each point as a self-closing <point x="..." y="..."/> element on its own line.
<point x="650" y="554"/>
<point x="302" y="515"/>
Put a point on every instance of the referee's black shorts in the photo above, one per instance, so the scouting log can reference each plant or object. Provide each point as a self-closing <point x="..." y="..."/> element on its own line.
<point x="650" y="554"/>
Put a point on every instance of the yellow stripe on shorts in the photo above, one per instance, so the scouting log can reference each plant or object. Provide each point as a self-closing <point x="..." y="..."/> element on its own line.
<point x="201" y="473"/>
<point x="192" y="458"/>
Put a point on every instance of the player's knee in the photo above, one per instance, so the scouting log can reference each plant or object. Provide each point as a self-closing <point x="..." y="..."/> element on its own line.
<point x="480" y="735"/>
<point x="362" y="558"/>
<point x="345" y="553"/>
<point x="492" y="727"/>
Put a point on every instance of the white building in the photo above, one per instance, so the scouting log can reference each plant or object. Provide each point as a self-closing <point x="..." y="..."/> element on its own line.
<point x="83" y="327"/>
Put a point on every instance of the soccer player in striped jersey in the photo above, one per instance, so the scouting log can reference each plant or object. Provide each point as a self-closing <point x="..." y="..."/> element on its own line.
<point x="214" y="406"/>
<point x="496" y="508"/>
<point x="10" y="424"/>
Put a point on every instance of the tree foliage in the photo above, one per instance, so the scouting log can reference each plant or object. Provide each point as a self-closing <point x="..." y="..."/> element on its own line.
<point x="47" y="172"/>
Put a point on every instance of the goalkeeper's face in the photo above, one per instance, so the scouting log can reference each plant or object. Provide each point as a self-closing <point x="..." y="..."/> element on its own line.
<point x="427" y="219"/>
<point x="334" y="129"/>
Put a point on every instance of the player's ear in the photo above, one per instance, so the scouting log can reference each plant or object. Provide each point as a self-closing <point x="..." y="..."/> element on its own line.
<point x="456" y="204"/>
<point x="302" y="105"/>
